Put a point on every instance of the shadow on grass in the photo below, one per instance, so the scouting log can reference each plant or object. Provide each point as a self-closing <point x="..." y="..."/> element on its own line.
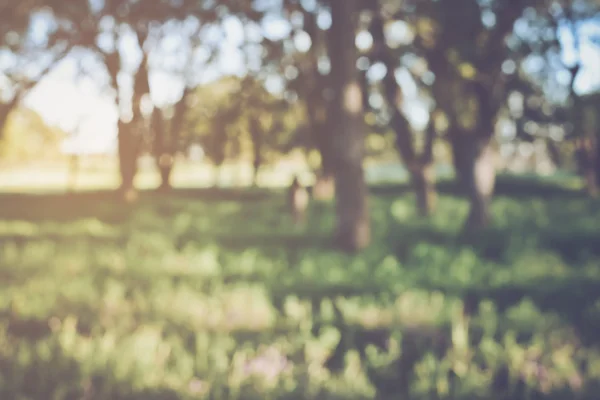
<point x="575" y="245"/>
<point x="291" y="242"/>
<point x="62" y="375"/>
<point x="108" y="207"/>
<point x="574" y="300"/>
<point x="21" y="240"/>
<point x="517" y="187"/>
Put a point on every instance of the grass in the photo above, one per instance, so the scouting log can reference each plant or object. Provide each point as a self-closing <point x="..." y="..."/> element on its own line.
<point x="214" y="294"/>
<point x="102" y="174"/>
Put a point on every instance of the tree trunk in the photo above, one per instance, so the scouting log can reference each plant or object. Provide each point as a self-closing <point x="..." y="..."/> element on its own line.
<point x="420" y="166"/>
<point x="424" y="178"/>
<point x="169" y="139"/>
<point x="587" y="162"/>
<point x="318" y="110"/>
<point x="474" y="161"/>
<point x="586" y="151"/>
<point x="128" y="157"/>
<point x="165" y="179"/>
<point x="591" y="180"/>
<point x="165" y="167"/>
<point x="591" y="173"/>
<point x="255" y="171"/>
<point x="130" y="133"/>
<point x="554" y="153"/>
<point x="353" y="225"/>
<point x="5" y="110"/>
<point x="162" y="153"/>
<point x="423" y="181"/>
<point x="256" y="134"/>
<point x="597" y="159"/>
<point x="324" y="188"/>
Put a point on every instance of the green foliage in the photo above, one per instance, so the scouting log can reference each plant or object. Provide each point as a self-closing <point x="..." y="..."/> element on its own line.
<point x="27" y="137"/>
<point x="214" y="294"/>
<point x="220" y="118"/>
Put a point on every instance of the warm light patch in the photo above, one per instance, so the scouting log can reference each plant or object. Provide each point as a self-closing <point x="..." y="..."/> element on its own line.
<point x="467" y="70"/>
<point x="353" y="98"/>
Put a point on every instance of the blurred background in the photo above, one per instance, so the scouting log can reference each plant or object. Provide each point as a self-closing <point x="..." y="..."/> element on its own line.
<point x="151" y="246"/>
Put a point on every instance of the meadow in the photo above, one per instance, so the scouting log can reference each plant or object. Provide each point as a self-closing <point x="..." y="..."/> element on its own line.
<point x="214" y="294"/>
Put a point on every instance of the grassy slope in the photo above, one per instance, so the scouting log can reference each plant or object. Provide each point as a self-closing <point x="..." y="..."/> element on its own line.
<point x="204" y="293"/>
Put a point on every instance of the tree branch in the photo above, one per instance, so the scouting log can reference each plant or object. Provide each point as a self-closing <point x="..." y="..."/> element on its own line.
<point x="392" y="91"/>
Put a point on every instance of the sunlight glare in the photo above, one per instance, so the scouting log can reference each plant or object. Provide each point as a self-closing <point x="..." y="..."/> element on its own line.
<point x="302" y="41"/>
<point x="398" y="33"/>
<point x="364" y="40"/>
<point x="275" y="28"/>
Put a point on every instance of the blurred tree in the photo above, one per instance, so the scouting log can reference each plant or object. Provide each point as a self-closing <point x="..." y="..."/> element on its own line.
<point x="312" y="83"/>
<point x="353" y="224"/>
<point x="464" y="43"/>
<point x="211" y="119"/>
<point x="105" y="28"/>
<point x="27" y="138"/>
<point x="572" y="14"/>
<point x="166" y="137"/>
<point x="28" y="55"/>
<point x="265" y="115"/>
<point x="420" y="165"/>
<point x="238" y="118"/>
<point x="546" y="106"/>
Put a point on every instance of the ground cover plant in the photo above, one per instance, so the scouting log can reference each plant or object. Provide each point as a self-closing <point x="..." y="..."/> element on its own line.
<point x="216" y="294"/>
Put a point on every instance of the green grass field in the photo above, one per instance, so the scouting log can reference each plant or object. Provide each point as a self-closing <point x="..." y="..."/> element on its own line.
<point x="215" y="294"/>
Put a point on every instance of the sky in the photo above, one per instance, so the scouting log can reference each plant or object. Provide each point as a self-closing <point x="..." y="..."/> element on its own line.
<point x="80" y="106"/>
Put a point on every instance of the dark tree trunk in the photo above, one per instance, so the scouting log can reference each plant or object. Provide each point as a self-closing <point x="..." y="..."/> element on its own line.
<point x="325" y="147"/>
<point x="165" y="176"/>
<point x="165" y="139"/>
<point x="5" y="110"/>
<point x="423" y="182"/>
<point x="322" y="125"/>
<point x="474" y="155"/>
<point x="256" y="134"/>
<point x="255" y="173"/>
<point x="597" y="158"/>
<point x="177" y="125"/>
<point x="554" y="153"/>
<point x="162" y="152"/>
<point x="420" y="166"/>
<point x="318" y="109"/>
<point x="587" y="162"/>
<point x="353" y="225"/>
<point x="130" y="133"/>
<point x="128" y="157"/>
<point x="325" y="182"/>
<point x="324" y="188"/>
<point x="166" y="162"/>
<point x="591" y="180"/>
<point x="586" y="145"/>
